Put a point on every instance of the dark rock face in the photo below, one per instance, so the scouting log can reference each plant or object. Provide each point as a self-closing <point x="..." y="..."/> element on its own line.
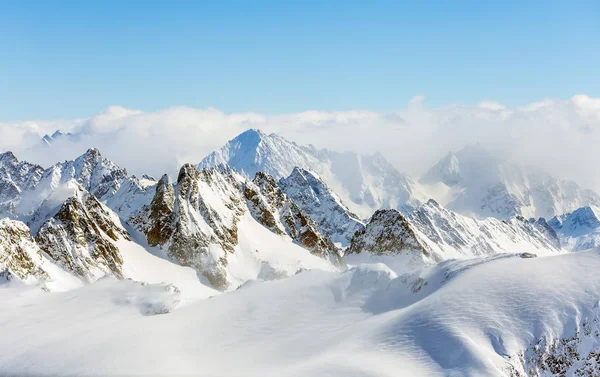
<point x="316" y="200"/>
<point x="80" y="238"/>
<point x="185" y="223"/>
<point x="19" y="255"/>
<point x="161" y="210"/>
<point x="388" y="232"/>
<point x="274" y="210"/>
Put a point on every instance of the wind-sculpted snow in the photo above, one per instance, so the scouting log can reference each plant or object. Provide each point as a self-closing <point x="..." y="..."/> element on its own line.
<point x="500" y="316"/>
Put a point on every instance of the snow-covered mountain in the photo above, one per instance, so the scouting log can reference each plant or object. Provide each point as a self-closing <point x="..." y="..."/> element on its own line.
<point x="432" y="233"/>
<point x="48" y="140"/>
<point x="209" y="220"/>
<point x="322" y="205"/>
<point x="472" y="181"/>
<point x="578" y="230"/>
<point x="478" y="183"/>
<point x="365" y="182"/>
<point x="425" y="291"/>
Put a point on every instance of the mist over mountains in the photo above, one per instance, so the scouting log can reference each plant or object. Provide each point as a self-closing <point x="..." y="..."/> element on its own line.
<point x="542" y="134"/>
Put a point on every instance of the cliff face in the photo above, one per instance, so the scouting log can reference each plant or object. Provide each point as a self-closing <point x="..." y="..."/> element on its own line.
<point x="276" y="211"/>
<point x="388" y="232"/>
<point x="20" y="256"/>
<point x="81" y="238"/>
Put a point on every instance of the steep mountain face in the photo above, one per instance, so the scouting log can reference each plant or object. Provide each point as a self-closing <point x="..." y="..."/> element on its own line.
<point x="452" y="235"/>
<point x="578" y="230"/>
<point x="477" y="183"/>
<point x="273" y="209"/>
<point x="20" y="256"/>
<point x="81" y="238"/>
<point x="365" y="183"/>
<point x="322" y="205"/>
<point x="33" y="194"/>
<point x="15" y="177"/>
<point x="433" y="233"/>
<point x="387" y="233"/>
<point x="196" y="221"/>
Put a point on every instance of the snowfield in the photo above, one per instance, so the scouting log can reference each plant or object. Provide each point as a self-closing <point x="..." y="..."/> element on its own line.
<point x="500" y="316"/>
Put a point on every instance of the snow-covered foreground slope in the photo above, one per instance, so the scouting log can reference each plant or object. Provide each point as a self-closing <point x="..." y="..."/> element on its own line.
<point x="506" y="316"/>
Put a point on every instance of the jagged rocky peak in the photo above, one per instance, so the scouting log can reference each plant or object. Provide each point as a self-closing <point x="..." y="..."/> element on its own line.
<point x="274" y="210"/>
<point x="547" y="231"/>
<point x="388" y="232"/>
<point x="81" y="238"/>
<point x="366" y="182"/>
<point x="20" y="256"/>
<point x="578" y="230"/>
<point x="21" y="174"/>
<point x="161" y="210"/>
<point x="450" y="234"/>
<point x="95" y="173"/>
<point x="194" y="218"/>
<point x="580" y="221"/>
<point x="322" y="205"/>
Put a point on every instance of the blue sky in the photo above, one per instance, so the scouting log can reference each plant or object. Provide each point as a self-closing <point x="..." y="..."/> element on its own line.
<point x="68" y="59"/>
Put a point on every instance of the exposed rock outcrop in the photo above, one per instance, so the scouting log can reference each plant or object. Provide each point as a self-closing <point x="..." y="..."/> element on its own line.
<point x="273" y="209"/>
<point x="334" y="220"/>
<point x="388" y="232"/>
<point x="81" y="238"/>
<point x="20" y="256"/>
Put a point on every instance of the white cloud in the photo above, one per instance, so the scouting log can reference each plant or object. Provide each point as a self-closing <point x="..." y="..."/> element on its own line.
<point x="561" y="136"/>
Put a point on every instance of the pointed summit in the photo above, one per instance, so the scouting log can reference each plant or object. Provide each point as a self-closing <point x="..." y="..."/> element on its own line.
<point x="366" y="182"/>
<point x="447" y="170"/>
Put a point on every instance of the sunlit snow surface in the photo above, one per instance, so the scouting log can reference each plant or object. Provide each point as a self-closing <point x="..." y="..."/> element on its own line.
<point x="458" y="318"/>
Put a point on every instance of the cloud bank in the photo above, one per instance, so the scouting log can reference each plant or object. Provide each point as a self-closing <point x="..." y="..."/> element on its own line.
<point x="560" y="136"/>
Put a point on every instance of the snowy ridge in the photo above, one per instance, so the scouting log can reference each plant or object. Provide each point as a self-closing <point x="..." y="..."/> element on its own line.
<point x="206" y="219"/>
<point x="322" y="205"/>
<point x="365" y="183"/>
<point x="578" y="230"/>
<point x="433" y="233"/>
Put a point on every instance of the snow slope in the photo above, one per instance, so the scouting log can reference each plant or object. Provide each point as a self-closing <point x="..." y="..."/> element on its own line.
<point x="503" y="316"/>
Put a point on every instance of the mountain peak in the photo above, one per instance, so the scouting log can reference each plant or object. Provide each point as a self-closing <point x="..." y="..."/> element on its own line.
<point x="447" y="170"/>
<point x="250" y="137"/>
<point x="8" y="157"/>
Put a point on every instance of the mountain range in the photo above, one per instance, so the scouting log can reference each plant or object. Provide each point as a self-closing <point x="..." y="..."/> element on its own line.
<point x="472" y="181"/>
<point x="351" y="249"/>
<point x="78" y="213"/>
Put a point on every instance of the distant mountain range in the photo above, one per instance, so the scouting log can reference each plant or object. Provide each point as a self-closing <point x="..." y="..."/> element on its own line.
<point x="472" y="182"/>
